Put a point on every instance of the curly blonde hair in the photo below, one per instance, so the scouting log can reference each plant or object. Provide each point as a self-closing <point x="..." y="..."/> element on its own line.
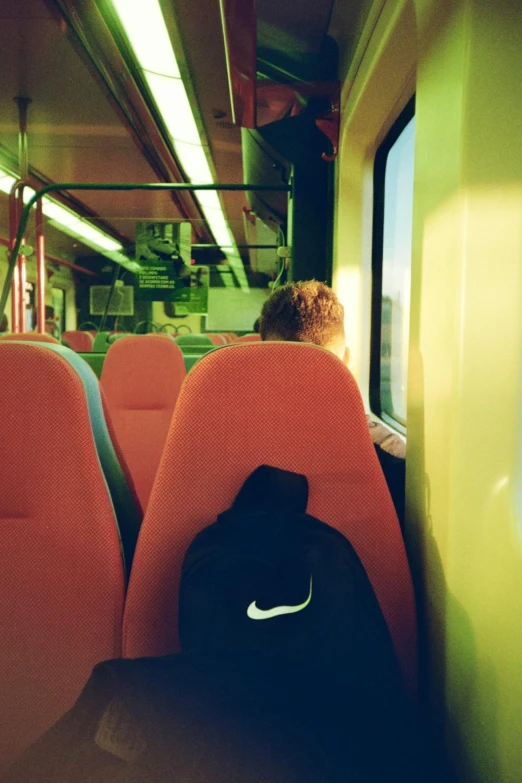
<point x="305" y="312"/>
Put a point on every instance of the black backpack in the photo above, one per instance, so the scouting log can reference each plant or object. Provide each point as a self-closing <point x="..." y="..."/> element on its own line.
<point x="287" y="672"/>
<point x="268" y="577"/>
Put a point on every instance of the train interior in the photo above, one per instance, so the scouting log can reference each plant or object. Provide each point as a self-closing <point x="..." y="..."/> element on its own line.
<point x="373" y="145"/>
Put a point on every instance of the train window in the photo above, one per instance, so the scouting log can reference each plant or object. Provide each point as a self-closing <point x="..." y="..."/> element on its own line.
<point x="392" y="239"/>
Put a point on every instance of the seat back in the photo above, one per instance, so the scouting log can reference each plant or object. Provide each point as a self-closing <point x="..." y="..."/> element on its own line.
<point x="248" y="338"/>
<point x="217" y="339"/>
<point x="141" y="379"/>
<point x="100" y="342"/>
<point x="29" y="337"/>
<point x="311" y="422"/>
<point x="79" y="341"/>
<point x="115" y="470"/>
<point x="193" y="339"/>
<point x="61" y="566"/>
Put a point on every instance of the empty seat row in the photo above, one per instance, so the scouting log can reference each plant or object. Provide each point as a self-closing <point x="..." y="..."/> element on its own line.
<point x="100" y="342"/>
<point x="62" y="578"/>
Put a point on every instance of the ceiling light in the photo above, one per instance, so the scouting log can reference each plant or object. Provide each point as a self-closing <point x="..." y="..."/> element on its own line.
<point x="6" y="182"/>
<point x="171" y="96"/>
<point x="65" y="220"/>
<point x="209" y="200"/>
<point x="194" y="162"/>
<point x="146" y="30"/>
<point x="147" y="34"/>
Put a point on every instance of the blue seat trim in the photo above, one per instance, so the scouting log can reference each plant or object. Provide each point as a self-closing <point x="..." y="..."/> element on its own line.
<point x="128" y="515"/>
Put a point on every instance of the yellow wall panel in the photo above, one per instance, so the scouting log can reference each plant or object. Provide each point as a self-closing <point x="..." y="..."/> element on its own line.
<point x="465" y="370"/>
<point x="464" y="465"/>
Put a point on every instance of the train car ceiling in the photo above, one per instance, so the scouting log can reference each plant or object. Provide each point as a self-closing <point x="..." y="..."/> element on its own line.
<point x="100" y="112"/>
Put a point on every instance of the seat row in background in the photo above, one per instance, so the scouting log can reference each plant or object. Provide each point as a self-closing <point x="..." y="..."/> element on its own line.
<point x="69" y="518"/>
<point x="141" y="376"/>
<point x="99" y="342"/>
<point x="93" y="346"/>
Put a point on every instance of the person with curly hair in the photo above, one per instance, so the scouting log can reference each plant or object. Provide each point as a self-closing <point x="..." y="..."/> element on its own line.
<point x="311" y="312"/>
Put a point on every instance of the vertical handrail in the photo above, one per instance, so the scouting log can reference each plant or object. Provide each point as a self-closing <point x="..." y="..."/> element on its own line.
<point x="40" y="269"/>
<point x="22" y="288"/>
<point x="20" y="284"/>
<point x="115" y="276"/>
<point x="14" y="217"/>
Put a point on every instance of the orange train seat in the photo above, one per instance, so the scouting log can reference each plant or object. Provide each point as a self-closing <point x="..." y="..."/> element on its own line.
<point x="79" y="341"/>
<point x="141" y="379"/>
<point x="296" y="407"/>
<point x="62" y="577"/>
<point x="248" y="338"/>
<point x="217" y="339"/>
<point x="29" y="337"/>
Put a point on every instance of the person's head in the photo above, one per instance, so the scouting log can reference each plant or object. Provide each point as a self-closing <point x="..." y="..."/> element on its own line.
<point x="306" y="312"/>
<point x="257" y="322"/>
<point x="4" y="323"/>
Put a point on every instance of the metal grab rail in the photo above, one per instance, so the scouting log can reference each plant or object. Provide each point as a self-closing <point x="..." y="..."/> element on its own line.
<point x="146" y="323"/>
<point x="24" y="217"/>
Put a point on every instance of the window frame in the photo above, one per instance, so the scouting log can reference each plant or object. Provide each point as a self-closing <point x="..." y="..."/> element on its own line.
<point x="379" y="176"/>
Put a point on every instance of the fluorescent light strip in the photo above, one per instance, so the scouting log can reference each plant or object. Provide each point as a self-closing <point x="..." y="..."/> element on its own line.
<point x="70" y="223"/>
<point x="6" y="182"/>
<point x="195" y="163"/>
<point x="146" y="30"/>
<point x="171" y="96"/>
<point x="73" y="224"/>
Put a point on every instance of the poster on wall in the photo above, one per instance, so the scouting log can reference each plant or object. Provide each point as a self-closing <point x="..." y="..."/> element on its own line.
<point x="166" y="273"/>
<point x="163" y="254"/>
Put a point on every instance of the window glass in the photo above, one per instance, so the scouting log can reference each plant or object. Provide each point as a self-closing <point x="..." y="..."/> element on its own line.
<point x="396" y="274"/>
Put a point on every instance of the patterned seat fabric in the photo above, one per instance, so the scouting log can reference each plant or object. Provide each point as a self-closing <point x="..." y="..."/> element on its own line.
<point x="62" y="577"/>
<point x="217" y="339"/>
<point x="115" y="469"/>
<point x="32" y="337"/>
<point x="289" y="405"/>
<point x="141" y="379"/>
<point x="248" y="338"/>
<point x="79" y="341"/>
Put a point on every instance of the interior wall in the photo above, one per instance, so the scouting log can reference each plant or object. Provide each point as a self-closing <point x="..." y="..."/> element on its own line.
<point x="464" y="463"/>
<point x="231" y="309"/>
<point x="464" y="466"/>
<point x="193" y="322"/>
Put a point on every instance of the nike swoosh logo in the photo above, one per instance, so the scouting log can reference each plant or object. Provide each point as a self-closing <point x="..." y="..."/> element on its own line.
<point x="265" y="614"/>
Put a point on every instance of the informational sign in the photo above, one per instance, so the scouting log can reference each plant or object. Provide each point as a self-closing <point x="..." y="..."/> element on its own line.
<point x="166" y="274"/>
<point x="192" y="299"/>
